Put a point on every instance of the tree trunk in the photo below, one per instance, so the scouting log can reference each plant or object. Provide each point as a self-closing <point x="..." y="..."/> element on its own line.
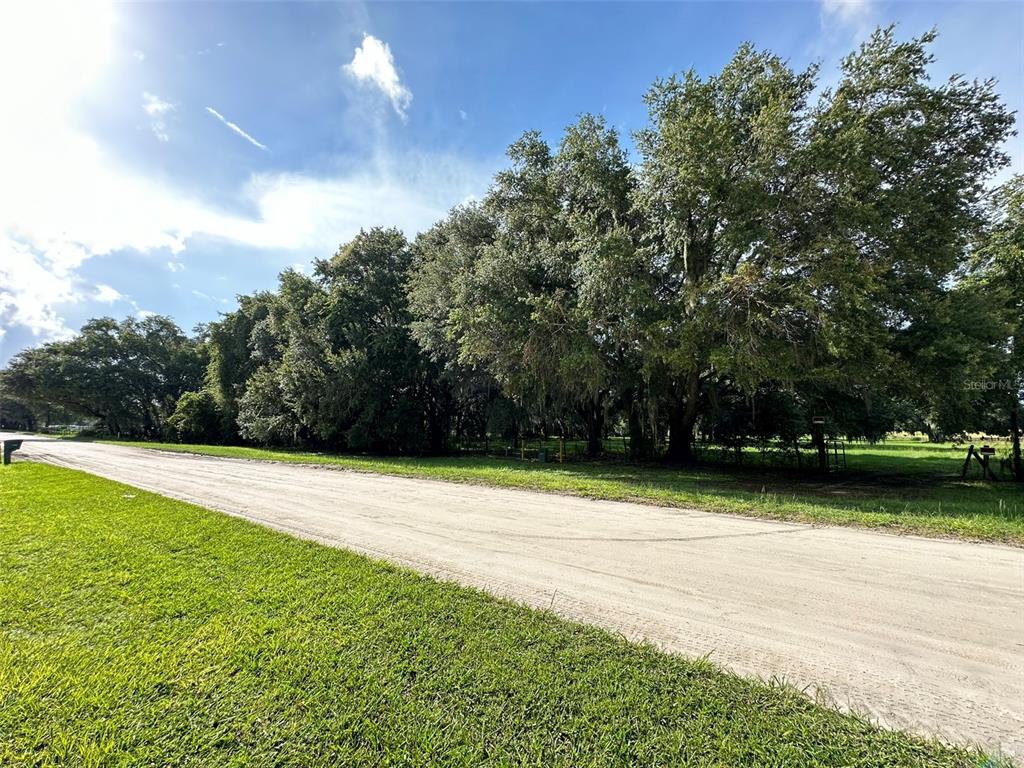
<point x="595" y="425"/>
<point x="437" y="423"/>
<point x="437" y="434"/>
<point x="639" y="445"/>
<point x="1018" y="469"/>
<point x="681" y="420"/>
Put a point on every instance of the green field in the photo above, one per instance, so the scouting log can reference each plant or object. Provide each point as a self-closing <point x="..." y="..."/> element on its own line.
<point x="900" y="486"/>
<point x="137" y="630"/>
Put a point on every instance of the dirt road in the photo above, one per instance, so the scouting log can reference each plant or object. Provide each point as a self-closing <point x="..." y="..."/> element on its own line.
<point x="920" y="634"/>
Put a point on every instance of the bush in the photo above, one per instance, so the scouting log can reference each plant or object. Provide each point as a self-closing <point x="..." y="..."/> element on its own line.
<point x="197" y="418"/>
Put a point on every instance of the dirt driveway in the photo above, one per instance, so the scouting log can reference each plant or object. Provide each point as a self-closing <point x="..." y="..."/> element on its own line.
<point x="921" y="634"/>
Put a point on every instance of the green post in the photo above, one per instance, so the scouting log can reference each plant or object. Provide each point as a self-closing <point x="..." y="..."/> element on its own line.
<point x="9" y="447"/>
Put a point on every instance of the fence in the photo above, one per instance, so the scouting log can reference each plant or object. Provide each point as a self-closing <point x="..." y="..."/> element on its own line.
<point x="62" y="430"/>
<point x="775" y="454"/>
<point x="797" y="455"/>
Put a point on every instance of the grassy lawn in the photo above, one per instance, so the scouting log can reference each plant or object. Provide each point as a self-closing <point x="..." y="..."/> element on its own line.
<point x="904" y="487"/>
<point x="137" y="630"/>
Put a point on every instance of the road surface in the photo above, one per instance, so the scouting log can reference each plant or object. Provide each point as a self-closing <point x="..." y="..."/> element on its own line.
<point x="919" y="634"/>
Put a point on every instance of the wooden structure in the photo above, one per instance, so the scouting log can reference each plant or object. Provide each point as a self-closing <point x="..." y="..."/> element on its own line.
<point x="983" y="455"/>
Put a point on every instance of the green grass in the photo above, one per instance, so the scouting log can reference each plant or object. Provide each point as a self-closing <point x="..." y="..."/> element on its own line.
<point x="913" y="457"/>
<point x="137" y="630"/>
<point x="902" y="487"/>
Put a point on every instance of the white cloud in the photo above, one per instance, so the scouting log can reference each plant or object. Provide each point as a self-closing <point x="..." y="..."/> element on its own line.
<point x="106" y="294"/>
<point x="373" y="64"/>
<point x="463" y="115"/>
<point x="234" y="127"/>
<point x="139" y="55"/>
<point x="154" y="105"/>
<point x="157" y="109"/>
<point x="77" y="204"/>
<point x="298" y="212"/>
<point x="850" y="12"/>
<point x="32" y="286"/>
<point x="208" y="297"/>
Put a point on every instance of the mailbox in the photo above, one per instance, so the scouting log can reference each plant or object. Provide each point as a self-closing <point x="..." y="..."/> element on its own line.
<point x="9" y="447"/>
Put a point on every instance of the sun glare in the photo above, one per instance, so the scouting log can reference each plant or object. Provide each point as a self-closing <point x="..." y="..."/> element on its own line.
<point x="51" y="51"/>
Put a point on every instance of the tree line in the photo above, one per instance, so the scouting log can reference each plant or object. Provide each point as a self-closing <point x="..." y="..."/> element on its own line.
<point x="779" y="250"/>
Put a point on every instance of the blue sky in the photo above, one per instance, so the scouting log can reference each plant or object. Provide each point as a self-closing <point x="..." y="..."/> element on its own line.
<point x="166" y="157"/>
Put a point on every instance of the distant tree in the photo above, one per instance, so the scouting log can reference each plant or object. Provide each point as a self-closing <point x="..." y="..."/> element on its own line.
<point x="264" y="414"/>
<point x="515" y="308"/>
<point x="353" y="369"/>
<point x="610" y="280"/>
<point x="903" y="163"/>
<point x="528" y="300"/>
<point x="31" y="380"/>
<point x="126" y="375"/>
<point x="943" y="358"/>
<point x="801" y="243"/>
<point x="726" y="198"/>
<point x="15" y="414"/>
<point x="444" y="258"/>
<point x="999" y="272"/>
<point x="197" y="418"/>
<point x="237" y="345"/>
